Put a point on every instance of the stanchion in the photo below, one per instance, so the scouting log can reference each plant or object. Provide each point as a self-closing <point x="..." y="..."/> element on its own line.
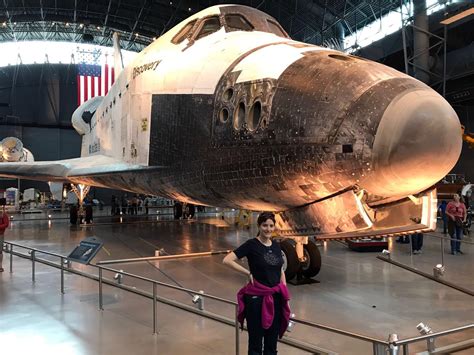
<point x="405" y="349"/>
<point x="100" y="290"/>
<point x="11" y="258"/>
<point x="62" y="275"/>
<point x="237" y="340"/>
<point x="442" y="251"/>
<point x="393" y="348"/>
<point x="154" y="309"/>
<point x="33" y="265"/>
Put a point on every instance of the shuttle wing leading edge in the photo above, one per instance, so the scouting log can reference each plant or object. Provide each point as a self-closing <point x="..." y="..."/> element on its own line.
<point x="69" y="169"/>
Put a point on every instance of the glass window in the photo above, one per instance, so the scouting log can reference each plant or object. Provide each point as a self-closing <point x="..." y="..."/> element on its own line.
<point x="183" y="34"/>
<point x="276" y="29"/>
<point x="238" y="22"/>
<point x="209" y="26"/>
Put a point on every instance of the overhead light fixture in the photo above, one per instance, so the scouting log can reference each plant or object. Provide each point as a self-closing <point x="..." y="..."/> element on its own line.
<point x="458" y="17"/>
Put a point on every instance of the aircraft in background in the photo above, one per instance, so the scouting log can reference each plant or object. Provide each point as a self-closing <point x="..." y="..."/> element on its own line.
<point x="226" y="110"/>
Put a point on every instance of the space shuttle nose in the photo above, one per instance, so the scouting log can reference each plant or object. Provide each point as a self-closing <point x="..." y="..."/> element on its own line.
<point x="417" y="143"/>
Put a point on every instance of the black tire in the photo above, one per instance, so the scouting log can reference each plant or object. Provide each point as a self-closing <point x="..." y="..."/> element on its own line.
<point x="290" y="258"/>
<point x="313" y="264"/>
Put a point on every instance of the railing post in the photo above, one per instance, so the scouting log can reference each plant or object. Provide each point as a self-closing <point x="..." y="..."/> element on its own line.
<point x="430" y="343"/>
<point x="237" y="340"/>
<point x="62" y="275"/>
<point x="154" y="309"/>
<point x="393" y="348"/>
<point x="442" y="251"/>
<point x="379" y="349"/>
<point x="11" y="258"/>
<point x="33" y="265"/>
<point x="405" y="349"/>
<point x="100" y="290"/>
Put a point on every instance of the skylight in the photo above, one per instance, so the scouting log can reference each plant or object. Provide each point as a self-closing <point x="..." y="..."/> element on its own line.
<point x="38" y="52"/>
<point x="388" y="24"/>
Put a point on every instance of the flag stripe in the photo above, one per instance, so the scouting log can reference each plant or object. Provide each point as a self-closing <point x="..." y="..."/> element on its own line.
<point x="92" y="81"/>
<point x="106" y="79"/>
<point x="96" y="86"/>
<point x="112" y="76"/>
<point x="86" y="89"/>
<point x="83" y="79"/>
<point x="79" y="101"/>
<point x="102" y="81"/>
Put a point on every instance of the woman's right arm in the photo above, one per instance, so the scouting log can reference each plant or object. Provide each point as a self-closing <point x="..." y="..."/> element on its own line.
<point x="231" y="260"/>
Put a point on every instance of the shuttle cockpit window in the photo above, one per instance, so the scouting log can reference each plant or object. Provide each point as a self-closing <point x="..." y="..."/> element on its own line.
<point x="210" y="25"/>
<point x="237" y="22"/>
<point x="276" y="29"/>
<point x="184" y="33"/>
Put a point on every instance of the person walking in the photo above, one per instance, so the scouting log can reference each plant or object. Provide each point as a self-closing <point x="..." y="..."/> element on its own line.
<point x="263" y="301"/>
<point x="442" y="212"/>
<point x="416" y="243"/>
<point x="178" y="210"/>
<point x="456" y="211"/>
<point x="4" y="222"/>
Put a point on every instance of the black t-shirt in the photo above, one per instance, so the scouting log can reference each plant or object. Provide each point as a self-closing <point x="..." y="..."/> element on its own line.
<point x="264" y="262"/>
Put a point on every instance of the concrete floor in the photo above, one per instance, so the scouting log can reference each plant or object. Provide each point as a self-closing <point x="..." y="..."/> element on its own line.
<point x="357" y="293"/>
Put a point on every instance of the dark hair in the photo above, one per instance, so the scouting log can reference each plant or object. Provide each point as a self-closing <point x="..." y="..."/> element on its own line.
<point x="262" y="217"/>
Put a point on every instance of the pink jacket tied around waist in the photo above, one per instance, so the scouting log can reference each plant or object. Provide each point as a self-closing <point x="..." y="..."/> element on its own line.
<point x="257" y="289"/>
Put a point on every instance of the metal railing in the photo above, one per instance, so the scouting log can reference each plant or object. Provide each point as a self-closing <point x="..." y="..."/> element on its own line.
<point x="379" y="347"/>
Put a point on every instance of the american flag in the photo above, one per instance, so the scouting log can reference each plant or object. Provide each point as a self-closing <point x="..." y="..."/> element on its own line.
<point x="93" y="80"/>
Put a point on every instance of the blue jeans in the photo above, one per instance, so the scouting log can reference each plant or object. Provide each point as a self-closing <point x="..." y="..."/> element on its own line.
<point x="455" y="232"/>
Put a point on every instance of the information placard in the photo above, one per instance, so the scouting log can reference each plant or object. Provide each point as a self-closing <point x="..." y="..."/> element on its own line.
<point x="86" y="250"/>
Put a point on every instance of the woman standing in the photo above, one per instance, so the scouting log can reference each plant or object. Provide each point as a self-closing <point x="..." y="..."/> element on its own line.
<point x="266" y="288"/>
<point x="456" y="211"/>
<point x="4" y="222"/>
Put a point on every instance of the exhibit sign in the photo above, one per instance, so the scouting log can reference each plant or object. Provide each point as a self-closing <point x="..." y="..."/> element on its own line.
<point x="86" y="250"/>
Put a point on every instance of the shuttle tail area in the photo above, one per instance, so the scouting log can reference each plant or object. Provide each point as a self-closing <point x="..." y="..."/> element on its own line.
<point x="346" y="216"/>
<point x="118" y="60"/>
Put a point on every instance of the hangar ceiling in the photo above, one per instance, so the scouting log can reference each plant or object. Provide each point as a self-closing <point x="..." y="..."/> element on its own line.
<point x="139" y="21"/>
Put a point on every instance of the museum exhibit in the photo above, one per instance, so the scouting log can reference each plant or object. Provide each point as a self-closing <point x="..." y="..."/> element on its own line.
<point x="245" y="177"/>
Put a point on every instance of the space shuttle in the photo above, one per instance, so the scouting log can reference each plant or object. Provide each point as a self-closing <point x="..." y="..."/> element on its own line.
<point x="227" y="110"/>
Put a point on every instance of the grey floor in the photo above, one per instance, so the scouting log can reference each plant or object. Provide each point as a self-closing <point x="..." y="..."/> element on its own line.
<point x="357" y="292"/>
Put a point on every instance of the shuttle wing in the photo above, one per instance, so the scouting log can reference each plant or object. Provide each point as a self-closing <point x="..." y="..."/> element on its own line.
<point x="68" y="169"/>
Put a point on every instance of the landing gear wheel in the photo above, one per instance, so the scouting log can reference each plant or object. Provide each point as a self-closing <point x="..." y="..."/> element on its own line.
<point x="291" y="263"/>
<point x="312" y="265"/>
